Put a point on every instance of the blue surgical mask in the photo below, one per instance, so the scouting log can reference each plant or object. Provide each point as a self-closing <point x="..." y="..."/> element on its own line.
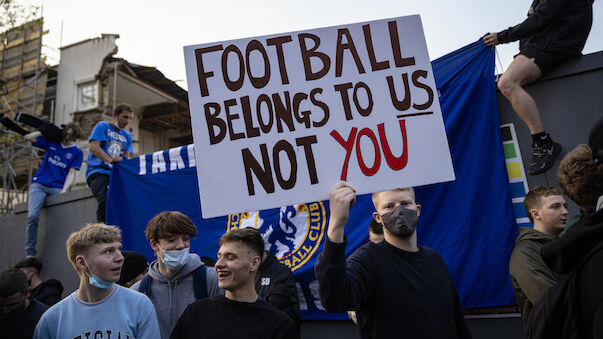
<point x="96" y="281"/>
<point x="175" y="259"/>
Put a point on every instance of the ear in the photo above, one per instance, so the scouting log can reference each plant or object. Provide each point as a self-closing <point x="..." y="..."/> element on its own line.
<point x="418" y="210"/>
<point x="154" y="246"/>
<point x="80" y="264"/>
<point x="535" y="214"/>
<point x="255" y="263"/>
<point x="377" y="217"/>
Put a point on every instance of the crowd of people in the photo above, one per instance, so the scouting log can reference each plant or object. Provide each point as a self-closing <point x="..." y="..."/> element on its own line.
<point x="392" y="285"/>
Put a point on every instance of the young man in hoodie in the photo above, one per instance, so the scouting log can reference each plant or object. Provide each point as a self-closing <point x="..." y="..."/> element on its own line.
<point x="579" y="253"/>
<point x="530" y="276"/>
<point x="48" y="291"/>
<point x="171" y="280"/>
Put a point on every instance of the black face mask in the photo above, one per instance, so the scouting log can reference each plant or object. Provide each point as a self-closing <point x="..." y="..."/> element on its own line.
<point x="400" y="221"/>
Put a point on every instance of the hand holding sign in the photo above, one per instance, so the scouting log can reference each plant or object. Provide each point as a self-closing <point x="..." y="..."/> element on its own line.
<point x="278" y="120"/>
<point x="341" y="198"/>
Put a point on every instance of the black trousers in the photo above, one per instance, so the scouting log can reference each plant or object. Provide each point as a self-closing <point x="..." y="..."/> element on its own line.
<point x="50" y="131"/>
<point x="98" y="184"/>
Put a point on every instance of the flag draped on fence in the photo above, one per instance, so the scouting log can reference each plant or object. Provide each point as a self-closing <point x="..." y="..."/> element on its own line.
<point x="469" y="221"/>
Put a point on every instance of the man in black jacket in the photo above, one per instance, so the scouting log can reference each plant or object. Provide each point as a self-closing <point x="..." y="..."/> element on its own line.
<point x="580" y="251"/>
<point x="48" y="291"/>
<point x="555" y="30"/>
<point x="275" y="284"/>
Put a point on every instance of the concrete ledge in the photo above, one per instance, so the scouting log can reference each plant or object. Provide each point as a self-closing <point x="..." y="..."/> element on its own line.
<point x="59" y="199"/>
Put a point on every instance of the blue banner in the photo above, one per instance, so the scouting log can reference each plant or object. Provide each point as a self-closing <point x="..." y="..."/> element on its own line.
<point x="469" y="221"/>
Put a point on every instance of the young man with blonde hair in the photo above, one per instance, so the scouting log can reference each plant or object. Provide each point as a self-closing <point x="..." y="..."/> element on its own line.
<point x="240" y="313"/>
<point x="399" y="288"/>
<point x="98" y="308"/>
<point x="178" y="277"/>
<point x="530" y="276"/>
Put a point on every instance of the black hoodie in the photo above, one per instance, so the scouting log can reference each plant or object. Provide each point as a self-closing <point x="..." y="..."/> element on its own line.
<point x="48" y="292"/>
<point x="275" y="284"/>
<point x="580" y="252"/>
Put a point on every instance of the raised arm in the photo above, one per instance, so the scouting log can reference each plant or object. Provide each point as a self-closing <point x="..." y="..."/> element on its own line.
<point x="342" y="285"/>
<point x="341" y="198"/>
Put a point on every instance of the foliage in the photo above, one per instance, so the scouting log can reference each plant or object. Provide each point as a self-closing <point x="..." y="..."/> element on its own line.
<point x="13" y="14"/>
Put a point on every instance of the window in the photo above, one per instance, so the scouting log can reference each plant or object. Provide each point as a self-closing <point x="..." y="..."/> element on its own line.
<point x="87" y="94"/>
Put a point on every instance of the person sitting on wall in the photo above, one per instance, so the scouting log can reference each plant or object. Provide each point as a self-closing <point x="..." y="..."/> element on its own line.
<point x="554" y="31"/>
<point x="530" y="276"/>
<point x="109" y="143"/>
<point x="48" y="291"/>
<point x="400" y="289"/>
<point x="240" y="313"/>
<point x="98" y="308"/>
<point x="55" y="175"/>
<point x="19" y="313"/>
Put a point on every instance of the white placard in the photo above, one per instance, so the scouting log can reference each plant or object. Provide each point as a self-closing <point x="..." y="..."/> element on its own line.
<point x="280" y="119"/>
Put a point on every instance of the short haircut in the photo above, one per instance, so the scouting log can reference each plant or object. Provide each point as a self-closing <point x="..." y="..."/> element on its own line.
<point x="250" y="237"/>
<point x="580" y="177"/>
<point x="77" y="132"/>
<point x="534" y="198"/>
<point x="79" y="242"/>
<point x="408" y="189"/>
<point x="12" y="281"/>
<point x="122" y="108"/>
<point x="375" y="227"/>
<point x="168" y="223"/>
<point x="30" y="262"/>
<point x="134" y="265"/>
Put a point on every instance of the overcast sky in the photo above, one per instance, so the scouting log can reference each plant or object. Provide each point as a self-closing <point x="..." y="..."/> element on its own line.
<point x="152" y="32"/>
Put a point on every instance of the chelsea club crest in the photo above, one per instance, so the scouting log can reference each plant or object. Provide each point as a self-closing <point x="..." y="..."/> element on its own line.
<point x="292" y="233"/>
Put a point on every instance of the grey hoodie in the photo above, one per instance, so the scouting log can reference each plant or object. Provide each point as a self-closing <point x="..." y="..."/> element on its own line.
<point x="171" y="297"/>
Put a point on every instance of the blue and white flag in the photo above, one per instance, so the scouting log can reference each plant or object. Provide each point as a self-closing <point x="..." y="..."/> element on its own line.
<point x="469" y="221"/>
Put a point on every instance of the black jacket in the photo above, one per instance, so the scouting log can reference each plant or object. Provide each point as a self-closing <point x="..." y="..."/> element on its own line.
<point x="48" y="292"/>
<point x="580" y="252"/>
<point x="559" y="26"/>
<point x="275" y="284"/>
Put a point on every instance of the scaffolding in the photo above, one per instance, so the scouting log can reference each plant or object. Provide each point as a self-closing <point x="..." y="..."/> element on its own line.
<point x="23" y="88"/>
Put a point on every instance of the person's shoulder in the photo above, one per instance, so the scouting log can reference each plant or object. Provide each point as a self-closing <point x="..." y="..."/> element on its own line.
<point x="371" y="247"/>
<point x="38" y="307"/>
<point x="431" y="254"/>
<point x="274" y="314"/>
<point x="130" y="293"/>
<point x="206" y="304"/>
<point x="58" y="308"/>
<point x="102" y="124"/>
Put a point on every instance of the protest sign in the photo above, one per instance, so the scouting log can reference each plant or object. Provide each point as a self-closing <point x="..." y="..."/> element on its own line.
<point x="280" y="119"/>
